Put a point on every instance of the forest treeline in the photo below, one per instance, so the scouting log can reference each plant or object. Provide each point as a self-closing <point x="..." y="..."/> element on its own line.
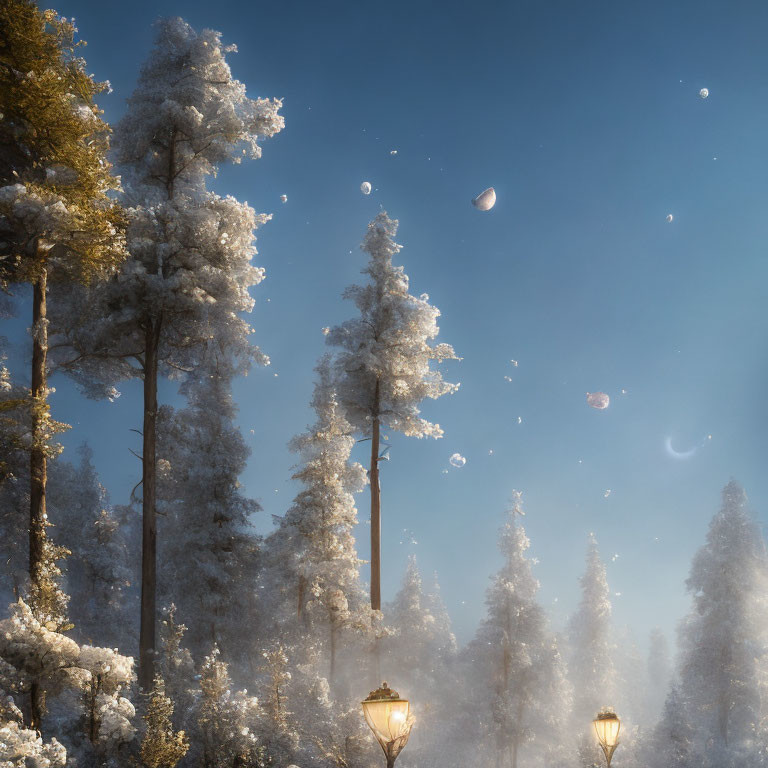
<point x="166" y="631"/>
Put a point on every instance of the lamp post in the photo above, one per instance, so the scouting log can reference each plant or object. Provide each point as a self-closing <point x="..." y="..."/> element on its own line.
<point x="390" y="719"/>
<point x="607" y="725"/>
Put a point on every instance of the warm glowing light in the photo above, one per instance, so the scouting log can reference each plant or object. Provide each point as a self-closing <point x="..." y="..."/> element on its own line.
<point x="389" y="717"/>
<point x="607" y="726"/>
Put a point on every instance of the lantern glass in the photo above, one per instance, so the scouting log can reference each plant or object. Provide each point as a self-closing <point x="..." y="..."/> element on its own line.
<point x="387" y="718"/>
<point x="607" y="727"/>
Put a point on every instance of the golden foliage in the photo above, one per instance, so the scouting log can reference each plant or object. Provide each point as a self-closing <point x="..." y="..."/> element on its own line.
<point x="54" y="142"/>
<point x="161" y="746"/>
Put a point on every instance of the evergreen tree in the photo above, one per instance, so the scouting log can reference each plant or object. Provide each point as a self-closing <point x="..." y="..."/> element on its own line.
<point x="208" y="546"/>
<point x="671" y="744"/>
<point x="188" y="276"/>
<point x="515" y="657"/>
<point x="724" y="641"/>
<point x="57" y="222"/>
<point x="422" y="644"/>
<point x="162" y="746"/>
<point x="98" y="569"/>
<point x="41" y="663"/>
<point x="658" y="675"/>
<point x="312" y="572"/>
<point x="384" y="366"/>
<point x="225" y="719"/>
<point x="591" y="666"/>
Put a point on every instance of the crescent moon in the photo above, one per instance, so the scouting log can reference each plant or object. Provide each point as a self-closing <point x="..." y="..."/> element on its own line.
<point x="678" y="454"/>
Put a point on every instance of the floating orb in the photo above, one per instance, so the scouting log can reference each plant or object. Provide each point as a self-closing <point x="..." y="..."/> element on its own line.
<point x="365" y="187"/>
<point x="704" y="92"/>
<point x="283" y="198"/>
<point x="598" y="400"/>
<point x="485" y="200"/>
<point x="457" y="460"/>
<point x="670" y="218"/>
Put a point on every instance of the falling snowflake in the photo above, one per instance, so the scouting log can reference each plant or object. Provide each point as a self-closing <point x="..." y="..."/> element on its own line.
<point x="519" y="419"/>
<point x="457" y="460"/>
<point x="283" y="198"/>
<point x="514" y="362"/>
<point x="326" y="330"/>
<point x="704" y="93"/>
<point x="507" y="378"/>
<point x="607" y="493"/>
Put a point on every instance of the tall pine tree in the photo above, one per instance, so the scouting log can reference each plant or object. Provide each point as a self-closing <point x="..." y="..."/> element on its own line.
<point x="188" y="276"/>
<point x="384" y="365"/>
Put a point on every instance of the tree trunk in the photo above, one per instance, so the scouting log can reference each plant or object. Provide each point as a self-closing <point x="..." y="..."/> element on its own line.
<point x="375" y="507"/>
<point x="514" y="754"/>
<point x="36" y="706"/>
<point x="149" y="526"/>
<point x="300" y="597"/>
<point x="38" y="470"/>
<point x="332" y="670"/>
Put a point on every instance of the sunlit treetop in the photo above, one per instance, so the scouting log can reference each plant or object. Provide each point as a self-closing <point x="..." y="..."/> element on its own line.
<point x="54" y="175"/>
<point x="188" y="114"/>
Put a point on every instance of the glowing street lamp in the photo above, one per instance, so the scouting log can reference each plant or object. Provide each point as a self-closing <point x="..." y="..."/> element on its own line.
<point x="607" y="726"/>
<point x="390" y="719"/>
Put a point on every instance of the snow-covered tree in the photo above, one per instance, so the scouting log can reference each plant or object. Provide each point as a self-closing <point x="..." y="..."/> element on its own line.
<point x="384" y="363"/>
<point x="189" y="272"/>
<point x="98" y="569"/>
<point x="278" y="734"/>
<point x="57" y="222"/>
<point x="312" y="568"/>
<point x="658" y="676"/>
<point x="225" y="719"/>
<point x="41" y="663"/>
<point x="724" y="641"/>
<point x="20" y="746"/>
<point x="422" y="644"/>
<point x="517" y="671"/>
<point x="671" y="743"/>
<point x="419" y="653"/>
<point x="208" y="546"/>
<point x="590" y="659"/>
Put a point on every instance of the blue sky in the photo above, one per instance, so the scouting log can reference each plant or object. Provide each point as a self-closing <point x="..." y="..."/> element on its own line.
<point x="586" y="119"/>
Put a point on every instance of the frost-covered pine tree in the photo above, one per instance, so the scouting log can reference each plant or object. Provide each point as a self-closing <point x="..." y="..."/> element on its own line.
<point x="384" y="364"/>
<point x="723" y="668"/>
<point x="517" y="670"/>
<point x="208" y="550"/>
<point x="39" y="664"/>
<point x="658" y="676"/>
<point x="20" y="746"/>
<point x="188" y="276"/>
<point x="277" y="733"/>
<point x="671" y="742"/>
<point x="420" y="654"/>
<point x="98" y="567"/>
<point x="311" y="578"/>
<point x="57" y="222"/>
<point x="422" y="644"/>
<point x="225" y="719"/>
<point x="591" y="668"/>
